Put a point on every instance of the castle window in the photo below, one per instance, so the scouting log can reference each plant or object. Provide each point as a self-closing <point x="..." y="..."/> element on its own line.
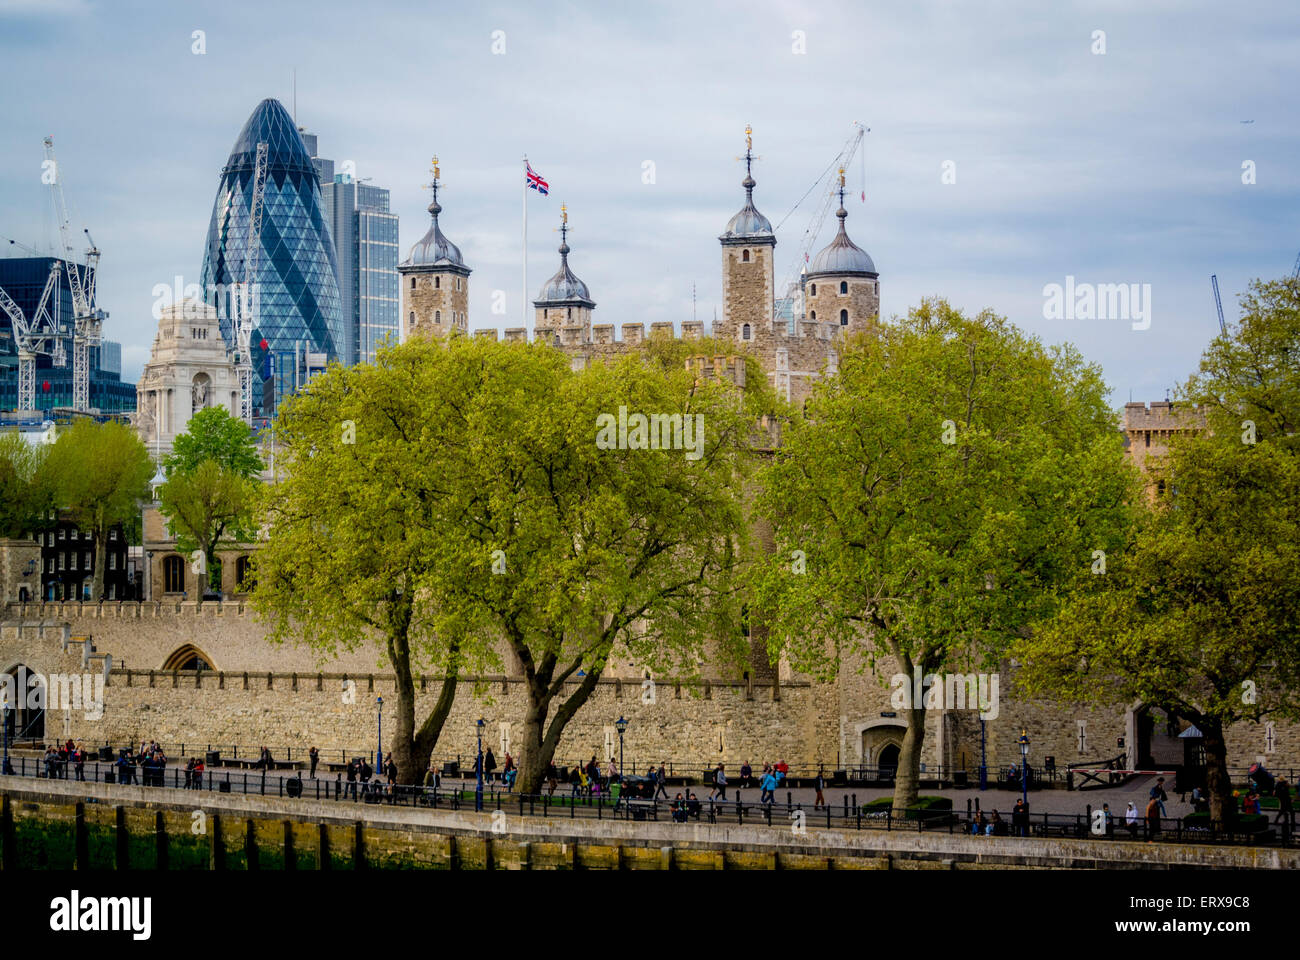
<point x="744" y="256"/>
<point x="187" y="657"/>
<point x="437" y="283"/>
<point x="812" y="290"/>
<point x="844" y="286"/>
<point x="437" y="316"/>
<point x="173" y="574"/>
<point x="744" y="332"/>
<point x="413" y="283"/>
<point x="244" y="574"/>
<point x="570" y="309"/>
<point x="844" y="318"/>
<point x="812" y="315"/>
<point x="412" y="320"/>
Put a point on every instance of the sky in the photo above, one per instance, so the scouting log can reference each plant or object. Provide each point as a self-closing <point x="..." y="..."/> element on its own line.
<point x="1011" y="145"/>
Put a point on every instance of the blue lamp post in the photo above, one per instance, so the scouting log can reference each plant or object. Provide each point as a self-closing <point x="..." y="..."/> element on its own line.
<point x="1024" y="767"/>
<point x="478" y="768"/>
<point x="621" y="726"/>
<point x="379" y="753"/>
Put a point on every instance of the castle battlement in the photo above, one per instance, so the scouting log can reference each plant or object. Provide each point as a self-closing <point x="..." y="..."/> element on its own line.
<point x="21" y="616"/>
<point x="1162" y="415"/>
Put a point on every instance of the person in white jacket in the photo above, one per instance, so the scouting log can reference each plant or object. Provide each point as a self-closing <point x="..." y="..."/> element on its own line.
<point x="1132" y="819"/>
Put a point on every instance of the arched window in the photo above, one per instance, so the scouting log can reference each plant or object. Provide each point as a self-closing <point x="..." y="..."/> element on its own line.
<point x="413" y="283"/>
<point x="570" y="315"/>
<point x="744" y="332"/>
<point x="173" y="574"/>
<point x="412" y="318"/>
<point x="844" y="286"/>
<point x="437" y="316"/>
<point x="187" y="657"/>
<point x="545" y="313"/>
<point x="24" y="718"/>
<point x="812" y="290"/>
<point x="244" y="580"/>
<point x="844" y="318"/>
<point x="437" y="283"/>
<point x="812" y="315"/>
<point x="744" y="256"/>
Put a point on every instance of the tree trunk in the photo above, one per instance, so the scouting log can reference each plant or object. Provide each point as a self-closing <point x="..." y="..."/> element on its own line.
<point x="532" y="764"/>
<point x="1217" y="783"/>
<point x="907" y="780"/>
<point x="101" y="561"/>
<point x="412" y="748"/>
<point x="539" y="752"/>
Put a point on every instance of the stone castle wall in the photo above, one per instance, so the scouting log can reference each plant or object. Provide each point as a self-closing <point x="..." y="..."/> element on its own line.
<point x="289" y="696"/>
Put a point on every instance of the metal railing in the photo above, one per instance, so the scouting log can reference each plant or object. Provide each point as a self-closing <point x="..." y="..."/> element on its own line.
<point x="770" y="811"/>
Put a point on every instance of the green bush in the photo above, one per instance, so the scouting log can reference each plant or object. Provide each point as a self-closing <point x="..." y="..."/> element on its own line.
<point x="925" y="808"/>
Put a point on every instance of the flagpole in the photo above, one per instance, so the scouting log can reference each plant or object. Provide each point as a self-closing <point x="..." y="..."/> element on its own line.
<point x="525" y="291"/>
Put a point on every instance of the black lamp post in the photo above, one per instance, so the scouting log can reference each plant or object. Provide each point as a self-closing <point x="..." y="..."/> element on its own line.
<point x="478" y="769"/>
<point x="621" y="726"/>
<point x="379" y="753"/>
<point x="1024" y="767"/>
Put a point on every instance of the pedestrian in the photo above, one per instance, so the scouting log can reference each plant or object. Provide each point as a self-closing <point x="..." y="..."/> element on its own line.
<point x="314" y="755"/>
<point x="509" y="772"/>
<point x="577" y="781"/>
<point x="1153" y="819"/>
<point x="390" y="769"/>
<point x="1131" y="820"/>
<point x="1158" y="794"/>
<point x="981" y="825"/>
<point x="1108" y="820"/>
<point x="719" y="791"/>
<point x="430" y="781"/>
<point x="196" y="776"/>
<point x="746" y="774"/>
<point x="489" y="765"/>
<point x="820" y="801"/>
<point x="354" y="769"/>
<point x="997" y="826"/>
<point x="79" y="758"/>
<point x="768" y="786"/>
<point x="661" y="778"/>
<point x="552" y="778"/>
<point x="679" y="809"/>
<point x="189" y="773"/>
<point x="1020" y="818"/>
<point x="782" y="771"/>
<point x="1285" y="814"/>
<point x="1199" y="802"/>
<point x="693" y="806"/>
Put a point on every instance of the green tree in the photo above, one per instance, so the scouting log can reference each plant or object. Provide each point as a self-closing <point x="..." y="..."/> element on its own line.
<point x="206" y="507"/>
<point x="213" y="434"/>
<point x="568" y="544"/>
<point x="941" y="489"/>
<point x="99" y="473"/>
<point x="1198" y="613"/>
<point x="208" y="498"/>
<point x="24" y="494"/>
<point x="350" y="545"/>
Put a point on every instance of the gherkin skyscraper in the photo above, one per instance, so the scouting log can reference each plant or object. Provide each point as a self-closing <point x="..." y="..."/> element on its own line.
<point x="299" y="313"/>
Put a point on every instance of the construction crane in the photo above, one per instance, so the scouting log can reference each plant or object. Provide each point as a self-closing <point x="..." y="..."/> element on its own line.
<point x="1218" y="304"/>
<point x="87" y="319"/>
<point x="1295" y="271"/>
<point x="790" y="289"/>
<point x="37" y="335"/>
<point x="245" y="301"/>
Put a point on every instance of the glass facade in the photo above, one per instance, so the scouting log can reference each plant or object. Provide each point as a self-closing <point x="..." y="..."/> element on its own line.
<point x="23" y="278"/>
<point x="365" y="244"/>
<point x="298" y="305"/>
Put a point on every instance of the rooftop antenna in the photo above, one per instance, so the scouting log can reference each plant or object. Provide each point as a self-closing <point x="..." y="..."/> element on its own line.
<point x="692" y="301"/>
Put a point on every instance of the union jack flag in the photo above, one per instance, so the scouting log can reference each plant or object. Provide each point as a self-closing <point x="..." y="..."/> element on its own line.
<point x="535" y="180"/>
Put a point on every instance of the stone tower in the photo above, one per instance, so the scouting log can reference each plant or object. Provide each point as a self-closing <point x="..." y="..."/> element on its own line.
<point x="564" y="304"/>
<point x="748" y="247"/>
<point x="841" y="285"/>
<point x="434" y="281"/>
<point x="189" y="370"/>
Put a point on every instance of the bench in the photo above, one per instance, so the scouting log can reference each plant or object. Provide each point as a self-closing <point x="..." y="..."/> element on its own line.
<point x="249" y="763"/>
